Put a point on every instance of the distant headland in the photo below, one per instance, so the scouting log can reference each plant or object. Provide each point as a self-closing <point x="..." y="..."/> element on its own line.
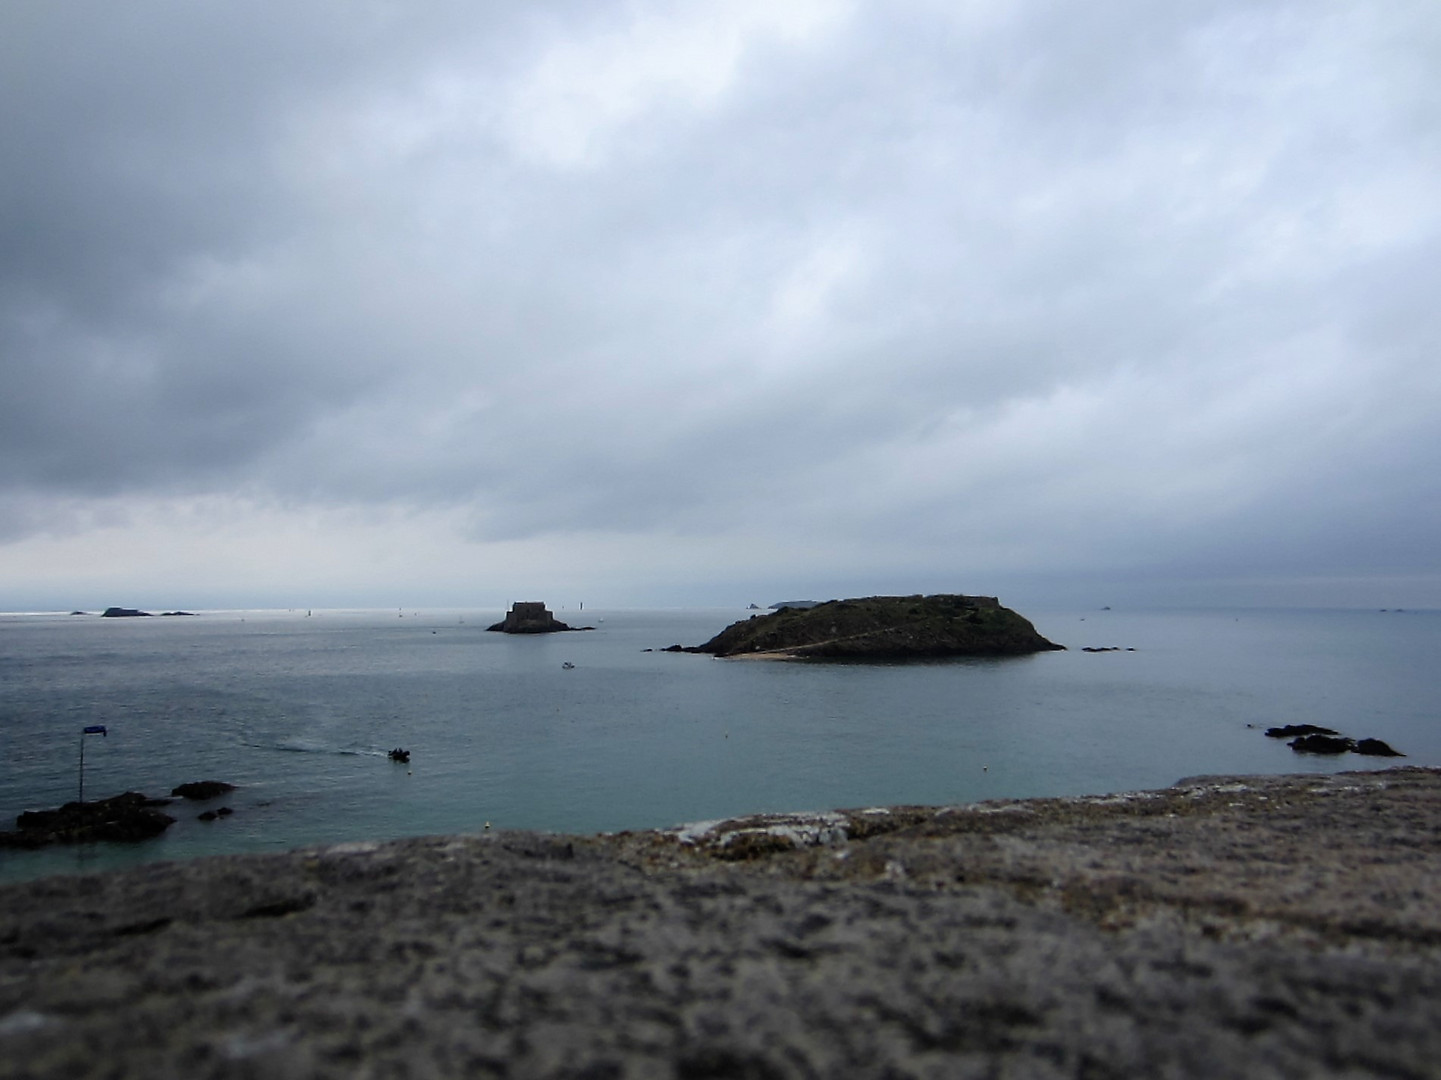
<point x="881" y="628"/>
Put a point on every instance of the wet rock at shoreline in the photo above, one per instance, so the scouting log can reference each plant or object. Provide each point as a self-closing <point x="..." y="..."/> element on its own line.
<point x="123" y="818"/>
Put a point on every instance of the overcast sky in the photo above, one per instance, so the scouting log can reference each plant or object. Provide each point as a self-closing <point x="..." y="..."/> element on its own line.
<point x="636" y="303"/>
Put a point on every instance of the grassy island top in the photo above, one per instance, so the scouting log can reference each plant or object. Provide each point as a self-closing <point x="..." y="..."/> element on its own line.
<point x="883" y="628"/>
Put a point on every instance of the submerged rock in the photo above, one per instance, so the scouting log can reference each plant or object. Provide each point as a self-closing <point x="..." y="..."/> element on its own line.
<point x="200" y="790"/>
<point x="883" y="628"/>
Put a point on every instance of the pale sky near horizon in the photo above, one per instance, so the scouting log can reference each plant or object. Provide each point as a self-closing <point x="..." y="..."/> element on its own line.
<point x="660" y="303"/>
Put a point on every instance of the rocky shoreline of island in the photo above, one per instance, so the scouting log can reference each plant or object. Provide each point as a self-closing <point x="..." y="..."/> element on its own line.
<point x="1223" y="926"/>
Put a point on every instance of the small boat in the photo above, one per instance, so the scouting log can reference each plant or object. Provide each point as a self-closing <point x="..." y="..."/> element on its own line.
<point x="568" y="666"/>
<point x="402" y="756"/>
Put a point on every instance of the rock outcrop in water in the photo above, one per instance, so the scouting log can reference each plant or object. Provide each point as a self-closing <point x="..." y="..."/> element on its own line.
<point x="124" y="613"/>
<point x="883" y="628"/>
<point x="531" y="618"/>
<point x="1313" y="739"/>
<point x="200" y="790"/>
<point x="123" y="818"/>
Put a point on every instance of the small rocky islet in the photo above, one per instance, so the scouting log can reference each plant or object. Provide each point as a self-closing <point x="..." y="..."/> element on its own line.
<point x="532" y="617"/>
<point x="881" y="628"/>
<point x="126" y="818"/>
<point x="1314" y="739"/>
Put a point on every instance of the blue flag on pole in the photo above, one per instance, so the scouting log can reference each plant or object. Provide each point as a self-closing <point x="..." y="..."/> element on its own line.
<point x="95" y="729"/>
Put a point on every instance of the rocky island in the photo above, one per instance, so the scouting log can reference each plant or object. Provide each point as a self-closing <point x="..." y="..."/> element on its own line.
<point x="532" y="618"/>
<point x="882" y="628"/>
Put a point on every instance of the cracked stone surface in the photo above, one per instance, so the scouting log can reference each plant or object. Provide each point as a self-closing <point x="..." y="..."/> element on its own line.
<point x="1258" y="927"/>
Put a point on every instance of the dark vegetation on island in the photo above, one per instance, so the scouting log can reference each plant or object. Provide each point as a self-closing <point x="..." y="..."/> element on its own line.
<point x="887" y="628"/>
<point x="532" y="618"/>
<point x="126" y="818"/>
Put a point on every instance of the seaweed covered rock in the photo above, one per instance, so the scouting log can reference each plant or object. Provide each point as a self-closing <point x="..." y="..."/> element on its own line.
<point x="883" y="628"/>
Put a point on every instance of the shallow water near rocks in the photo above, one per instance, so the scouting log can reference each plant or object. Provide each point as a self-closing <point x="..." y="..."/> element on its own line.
<point x="301" y="711"/>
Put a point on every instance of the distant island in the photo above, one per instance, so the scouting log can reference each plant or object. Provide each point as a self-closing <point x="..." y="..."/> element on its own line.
<point x="532" y="618"/>
<point x="881" y="628"/>
<point x="132" y="613"/>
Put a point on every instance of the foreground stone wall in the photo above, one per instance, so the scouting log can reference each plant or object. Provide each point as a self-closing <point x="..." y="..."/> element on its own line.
<point x="1224" y="927"/>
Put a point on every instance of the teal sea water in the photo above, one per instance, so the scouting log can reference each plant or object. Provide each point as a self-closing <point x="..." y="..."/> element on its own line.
<point x="300" y="710"/>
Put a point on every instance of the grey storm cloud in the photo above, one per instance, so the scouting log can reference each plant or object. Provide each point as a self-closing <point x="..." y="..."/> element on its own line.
<point x="1113" y="285"/>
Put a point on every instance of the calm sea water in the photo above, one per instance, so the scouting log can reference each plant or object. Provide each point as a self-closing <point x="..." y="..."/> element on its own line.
<point x="300" y="711"/>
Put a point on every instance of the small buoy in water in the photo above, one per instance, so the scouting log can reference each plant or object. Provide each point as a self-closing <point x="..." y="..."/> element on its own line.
<point x="487" y="825"/>
<point x="985" y="768"/>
